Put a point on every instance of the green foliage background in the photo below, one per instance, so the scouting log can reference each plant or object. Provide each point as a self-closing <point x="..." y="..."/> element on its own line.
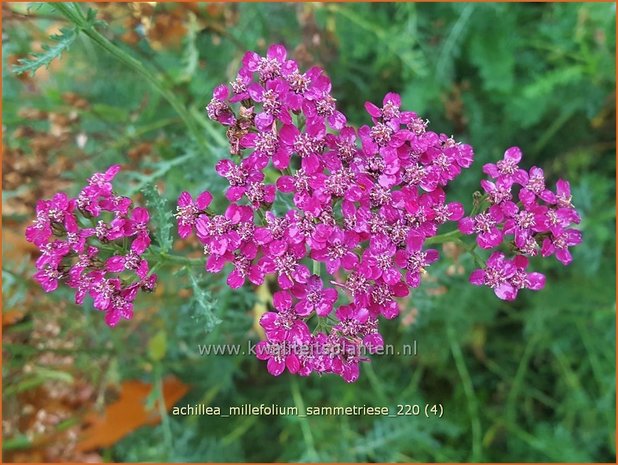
<point x="532" y="380"/>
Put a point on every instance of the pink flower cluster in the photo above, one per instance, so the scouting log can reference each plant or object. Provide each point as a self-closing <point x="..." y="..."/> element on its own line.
<point x="539" y="222"/>
<point x="359" y="209"/>
<point x="94" y="244"/>
<point x="365" y="202"/>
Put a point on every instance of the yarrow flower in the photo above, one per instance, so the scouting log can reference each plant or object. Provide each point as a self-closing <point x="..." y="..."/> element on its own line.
<point x="360" y="209"/>
<point x="527" y="215"/>
<point x="82" y="244"/>
<point x="507" y="277"/>
<point x="363" y="204"/>
<point x="342" y="219"/>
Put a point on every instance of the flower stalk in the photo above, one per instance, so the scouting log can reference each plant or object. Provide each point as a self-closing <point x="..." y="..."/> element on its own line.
<point x="74" y="13"/>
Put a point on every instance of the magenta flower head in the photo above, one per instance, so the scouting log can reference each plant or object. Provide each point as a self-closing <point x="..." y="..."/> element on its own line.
<point x="279" y="356"/>
<point x="285" y="324"/>
<point x="341" y="219"/>
<point x="360" y="205"/>
<point x="74" y="255"/>
<point x="414" y="260"/>
<point x="507" y="277"/>
<point x="497" y="275"/>
<point x="56" y="212"/>
<point x="188" y="210"/>
<point x="541" y="223"/>
<point x="507" y="169"/>
<point x="312" y="297"/>
<point x="485" y="226"/>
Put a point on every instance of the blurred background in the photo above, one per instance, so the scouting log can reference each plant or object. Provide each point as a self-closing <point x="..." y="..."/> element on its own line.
<point x="532" y="380"/>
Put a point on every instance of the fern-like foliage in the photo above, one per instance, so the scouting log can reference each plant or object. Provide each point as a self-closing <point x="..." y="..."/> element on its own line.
<point x="203" y="305"/>
<point x="161" y="216"/>
<point x="62" y="42"/>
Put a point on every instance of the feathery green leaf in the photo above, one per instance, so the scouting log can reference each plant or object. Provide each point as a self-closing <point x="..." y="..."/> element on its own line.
<point x="63" y="41"/>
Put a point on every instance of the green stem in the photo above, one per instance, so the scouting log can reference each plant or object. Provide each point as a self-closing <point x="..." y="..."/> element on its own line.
<point x="116" y="144"/>
<point x="470" y="249"/>
<point x="74" y="14"/>
<point x="442" y="238"/>
<point x="317" y="267"/>
<point x="376" y="384"/>
<point x="172" y="259"/>
<point x="455" y="236"/>
<point x="304" y="424"/>
<point x="472" y="401"/>
<point x="518" y="380"/>
<point x="165" y="421"/>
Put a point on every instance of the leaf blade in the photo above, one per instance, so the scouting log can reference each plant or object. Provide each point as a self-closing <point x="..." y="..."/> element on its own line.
<point x="50" y="52"/>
